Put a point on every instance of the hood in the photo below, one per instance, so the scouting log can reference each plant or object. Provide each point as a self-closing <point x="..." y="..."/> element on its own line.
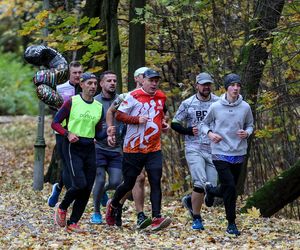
<point x="224" y="101"/>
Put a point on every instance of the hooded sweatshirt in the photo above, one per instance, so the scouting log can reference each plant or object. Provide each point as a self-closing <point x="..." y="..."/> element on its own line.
<point x="226" y="119"/>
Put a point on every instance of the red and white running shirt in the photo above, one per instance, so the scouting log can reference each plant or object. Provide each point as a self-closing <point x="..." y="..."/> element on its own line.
<point x="143" y="138"/>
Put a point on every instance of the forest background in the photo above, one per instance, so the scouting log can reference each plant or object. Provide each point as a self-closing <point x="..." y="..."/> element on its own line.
<point x="257" y="39"/>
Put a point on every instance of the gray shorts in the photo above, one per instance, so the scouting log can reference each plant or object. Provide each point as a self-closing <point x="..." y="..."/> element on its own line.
<point x="201" y="168"/>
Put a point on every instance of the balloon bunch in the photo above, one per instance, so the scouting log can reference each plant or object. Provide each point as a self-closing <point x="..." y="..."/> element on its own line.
<point x="45" y="80"/>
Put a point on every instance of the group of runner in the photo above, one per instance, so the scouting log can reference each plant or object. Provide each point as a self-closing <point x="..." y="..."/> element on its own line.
<point x="93" y="129"/>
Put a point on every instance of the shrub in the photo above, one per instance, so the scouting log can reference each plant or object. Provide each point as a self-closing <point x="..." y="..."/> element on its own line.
<point x="18" y="95"/>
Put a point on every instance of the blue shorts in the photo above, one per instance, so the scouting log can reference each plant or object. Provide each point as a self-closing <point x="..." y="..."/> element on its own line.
<point x="108" y="159"/>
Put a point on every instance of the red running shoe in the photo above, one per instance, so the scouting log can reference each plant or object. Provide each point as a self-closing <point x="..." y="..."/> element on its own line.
<point x="74" y="227"/>
<point x="160" y="223"/>
<point x="60" y="216"/>
<point x="110" y="214"/>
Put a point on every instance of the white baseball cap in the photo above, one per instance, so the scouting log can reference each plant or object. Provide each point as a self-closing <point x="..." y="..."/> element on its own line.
<point x="140" y="71"/>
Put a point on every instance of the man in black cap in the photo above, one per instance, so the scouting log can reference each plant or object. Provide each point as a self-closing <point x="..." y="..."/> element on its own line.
<point x="84" y="116"/>
<point x="143" y="112"/>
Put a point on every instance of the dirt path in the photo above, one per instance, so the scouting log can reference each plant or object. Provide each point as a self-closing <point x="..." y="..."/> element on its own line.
<point x="26" y="222"/>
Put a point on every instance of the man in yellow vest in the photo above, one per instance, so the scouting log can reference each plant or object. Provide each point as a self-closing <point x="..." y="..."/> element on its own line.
<point x="84" y="117"/>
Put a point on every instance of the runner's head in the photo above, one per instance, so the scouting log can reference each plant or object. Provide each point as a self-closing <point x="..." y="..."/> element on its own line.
<point x="203" y="84"/>
<point x="88" y="84"/>
<point x="151" y="81"/>
<point x="139" y="76"/>
<point x="108" y="82"/>
<point x="75" y="72"/>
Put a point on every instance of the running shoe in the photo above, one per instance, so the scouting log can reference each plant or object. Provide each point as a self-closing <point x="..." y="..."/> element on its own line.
<point x="160" y="223"/>
<point x="187" y="203"/>
<point x="74" y="228"/>
<point x="96" y="218"/>
<point x="110" y="214"/>
<point x="118" y="216"/>
<point x="232" y="229"/>
<point x="60" y="216"/>
<point x="209" y="197"/>
<point x="143" y="221"/>
<point x="104" y="199"/>
<point x="53" y="198"/>
<point x="197" y="224"/>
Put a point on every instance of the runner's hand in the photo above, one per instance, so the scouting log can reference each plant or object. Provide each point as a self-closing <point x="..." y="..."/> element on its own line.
<point x="143" y="119"/>
<point x="111" y="130"/>
<point x="72" y="138"/>
<point x="165" y="126"/>
<point x="243" y="134"/>
<point x="111" y="140"/>
<point x="214" y="137"/>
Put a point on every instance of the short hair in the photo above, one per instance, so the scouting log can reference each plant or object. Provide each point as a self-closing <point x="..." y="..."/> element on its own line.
<point x="75" y="64"/>
<point x="107" y="72"/>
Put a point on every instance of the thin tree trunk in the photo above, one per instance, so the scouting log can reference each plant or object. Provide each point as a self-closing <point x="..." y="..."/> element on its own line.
<point x="136" y="51"/>
<point x="110" y="13"/>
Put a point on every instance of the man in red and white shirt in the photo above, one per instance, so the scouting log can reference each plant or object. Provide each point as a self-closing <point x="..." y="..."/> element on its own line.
<point x="143" y="112"/>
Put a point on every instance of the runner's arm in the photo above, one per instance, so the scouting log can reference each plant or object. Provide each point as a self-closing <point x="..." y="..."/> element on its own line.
<point x="62" y="114"/>
<point x="129" y="119"/>
<point x="175" y="125"/>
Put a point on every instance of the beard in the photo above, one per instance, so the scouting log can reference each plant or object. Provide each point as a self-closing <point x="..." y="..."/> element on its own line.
<point x="204" y="93"/>
<point x="111" y="91"/>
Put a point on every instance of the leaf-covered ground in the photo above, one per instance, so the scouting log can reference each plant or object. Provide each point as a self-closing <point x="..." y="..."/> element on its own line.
<point x="26" y="222"/>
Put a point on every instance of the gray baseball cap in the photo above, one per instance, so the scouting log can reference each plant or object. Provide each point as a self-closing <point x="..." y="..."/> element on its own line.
<point x="204" y="78"/>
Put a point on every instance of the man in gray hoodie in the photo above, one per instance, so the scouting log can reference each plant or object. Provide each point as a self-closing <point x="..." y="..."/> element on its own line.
<point x="228" y="124"/>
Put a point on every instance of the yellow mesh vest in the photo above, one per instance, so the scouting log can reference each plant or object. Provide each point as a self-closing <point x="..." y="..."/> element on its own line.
<point x="84" y="117"/>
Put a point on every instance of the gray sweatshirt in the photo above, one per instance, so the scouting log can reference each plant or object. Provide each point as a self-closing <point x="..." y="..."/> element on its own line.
<point x="226" y="119"/>
<point x="102" y="144"/>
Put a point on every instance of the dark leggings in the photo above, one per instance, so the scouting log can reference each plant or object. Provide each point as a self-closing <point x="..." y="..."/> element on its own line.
<point x="115" y="176"/>
<point x="133" y="164"/>
<point x="65" y="179"/>
<point x="81" y="163"/>
<point x="228" y="174"/>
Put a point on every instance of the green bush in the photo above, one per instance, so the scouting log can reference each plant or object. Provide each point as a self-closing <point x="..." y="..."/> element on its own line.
<point x="18" y="95"/>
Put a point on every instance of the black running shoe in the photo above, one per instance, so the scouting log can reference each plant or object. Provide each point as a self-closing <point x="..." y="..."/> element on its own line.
<point x="187" y="203"/>
<point x="118" y="216"/>
<point x="143" y="221"/>
<point x="209" y="197"/>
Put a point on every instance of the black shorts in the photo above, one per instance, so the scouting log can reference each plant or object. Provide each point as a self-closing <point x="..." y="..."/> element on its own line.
<point x="133" y="163"/>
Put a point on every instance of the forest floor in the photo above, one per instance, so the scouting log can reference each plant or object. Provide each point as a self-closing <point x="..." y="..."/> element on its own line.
<point x="26" y="221"/>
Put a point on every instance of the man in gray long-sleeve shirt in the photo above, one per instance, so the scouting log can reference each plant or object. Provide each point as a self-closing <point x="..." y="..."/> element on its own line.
<point x="228" y="124"/>
<point x="108" y="159"/>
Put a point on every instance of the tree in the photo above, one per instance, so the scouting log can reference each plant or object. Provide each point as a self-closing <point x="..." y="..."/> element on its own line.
<point x="136" y="51"/>
<point x="109" y="13"/>
<point x="276" y="193"/>
<point x="254" y="56"/>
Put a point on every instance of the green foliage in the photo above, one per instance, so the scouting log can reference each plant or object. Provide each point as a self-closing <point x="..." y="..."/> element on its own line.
<point x="18" y="92"/>
<point x="68" y="32"/>
<point x="12" y="15"/>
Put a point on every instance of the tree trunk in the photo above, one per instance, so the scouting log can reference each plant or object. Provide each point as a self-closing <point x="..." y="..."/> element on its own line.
<point x="54" y="170"/>
<point x="110" y="15"/>
<point x="94" y="8"/>
<point x="136" y="51"/>
<point x="254" y="57"/>
<point x="277" y="193"/>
